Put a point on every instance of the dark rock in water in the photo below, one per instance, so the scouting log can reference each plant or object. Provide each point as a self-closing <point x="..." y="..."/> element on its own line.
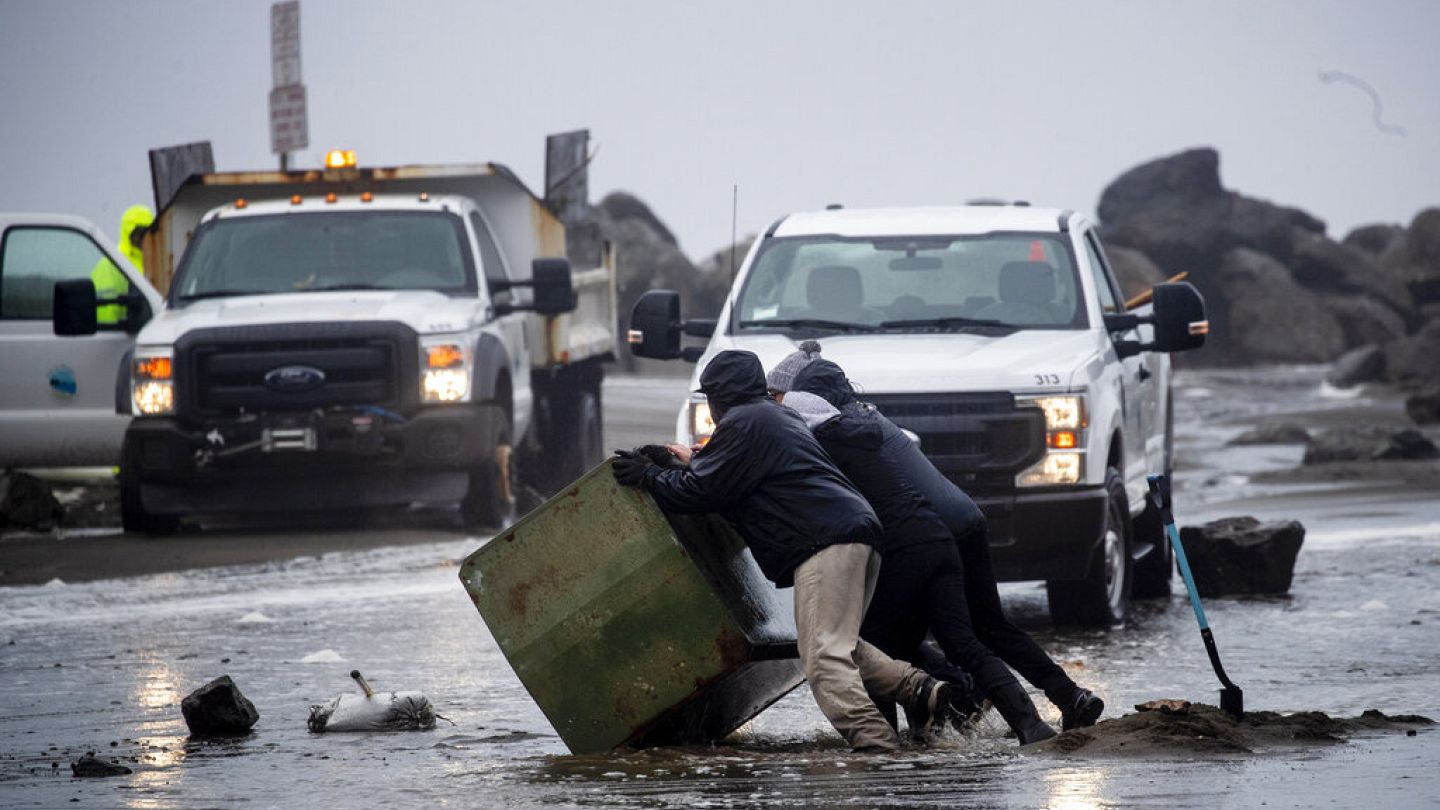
<point x="1406" y="445"/>
<point x="218" y="709"/>
<point x="1258" y="287"/>
<point x="1415" y="361"/>
<point x="1279" y="433"/>
<point x="1357" y="443"/>
<point x="90" y="766"/>
<point x="1362" y="365"/>
<point x="26" y="502"/>
<point x="1241" y="555"/>
<point x="1134" y="270"/>
<point x="1424" y="406"/>
<point x="1373" y="239"/>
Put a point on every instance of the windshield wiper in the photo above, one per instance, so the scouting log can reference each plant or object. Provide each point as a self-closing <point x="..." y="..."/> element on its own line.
<point x="814" y="323"/>
<point x="222" y="294"/>
<point x="338" y="287"/>
<point x="950" y="322"/>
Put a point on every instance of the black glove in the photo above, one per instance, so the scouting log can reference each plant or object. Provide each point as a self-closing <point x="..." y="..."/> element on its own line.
<point x="661" y="455"/>
<point x="631" y="469"/>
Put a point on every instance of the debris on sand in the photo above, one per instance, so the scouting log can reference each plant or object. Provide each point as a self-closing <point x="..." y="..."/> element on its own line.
<point x="218" y="709"/>
<point x="373" y="711"/>
<point x="91" y="766"/>
<point x="1179" y="727"/>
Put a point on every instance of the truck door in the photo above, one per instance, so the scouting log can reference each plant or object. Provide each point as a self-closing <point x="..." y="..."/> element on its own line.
<point x="57" y="394"/>
<point x="512" y="326"/>
<point x="1135" y="373"/>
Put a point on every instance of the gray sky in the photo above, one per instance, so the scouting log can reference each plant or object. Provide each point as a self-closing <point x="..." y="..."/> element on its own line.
<point x="802" y="103"/>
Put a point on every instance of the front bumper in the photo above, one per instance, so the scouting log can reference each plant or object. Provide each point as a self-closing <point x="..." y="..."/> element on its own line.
<point x="1048" y="535"/>
<point x="316" y="460"/>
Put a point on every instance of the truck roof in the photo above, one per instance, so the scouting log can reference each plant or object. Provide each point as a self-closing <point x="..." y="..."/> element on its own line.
<point x="318" y="203"/>
<point x="920" y="221"/>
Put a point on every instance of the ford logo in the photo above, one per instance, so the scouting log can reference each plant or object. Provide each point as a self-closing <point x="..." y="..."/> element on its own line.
<point x="294" y="379"/>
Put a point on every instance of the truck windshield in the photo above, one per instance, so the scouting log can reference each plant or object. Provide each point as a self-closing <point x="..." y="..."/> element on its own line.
<point x="338" y="250"/>
<point x="998" y="282"/>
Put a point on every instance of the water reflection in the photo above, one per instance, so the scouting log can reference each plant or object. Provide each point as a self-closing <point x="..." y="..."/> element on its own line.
<point x="1074" y="789"/>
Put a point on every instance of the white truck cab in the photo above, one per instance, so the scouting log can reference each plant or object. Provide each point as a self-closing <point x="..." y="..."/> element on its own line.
<point x="358" y="337"/>
<point x="997" y="335"/>
<point x="58" y="395"/>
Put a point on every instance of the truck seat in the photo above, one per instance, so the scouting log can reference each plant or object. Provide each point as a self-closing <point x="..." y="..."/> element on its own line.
<point x="1026" y="292"/>
<point x="834" y="291"/>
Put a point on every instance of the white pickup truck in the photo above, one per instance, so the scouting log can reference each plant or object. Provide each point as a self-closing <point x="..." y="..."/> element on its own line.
<point x="997" y="335"/>
<point x="356" y="337"/>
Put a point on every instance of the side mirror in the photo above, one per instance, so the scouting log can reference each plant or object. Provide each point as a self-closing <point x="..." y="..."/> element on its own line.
<point x="552" y="283"/>
<point x="656" y="327"/>
<point x="1179" y="318"/>
<point x="73" y="310"/>
<point x="1178" y="315"/>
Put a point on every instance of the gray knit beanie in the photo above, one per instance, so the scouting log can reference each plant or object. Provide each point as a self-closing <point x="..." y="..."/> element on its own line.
<point x="783" y="374"/>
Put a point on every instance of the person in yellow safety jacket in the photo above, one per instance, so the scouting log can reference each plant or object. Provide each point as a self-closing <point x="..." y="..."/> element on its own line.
<point x="109" y="281"/>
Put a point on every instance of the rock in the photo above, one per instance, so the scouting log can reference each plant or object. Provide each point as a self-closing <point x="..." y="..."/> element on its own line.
<point x="1424" y="406"/>
<point x="1414" y="362"/>
<point x="1373" y="239"/>
<point x="1362" y="365"/>
<point x="1278" y="433"/>
<point x="1406" y="445"/>
<point x="1413" y="259"/>
<point x="1241" y="555"/>
<point x="1258" y="288"/>
<point x="218" y="709"/>
<point x="91" y="766"/>
<point x="26" y="502"/>
<point x="622" y="205"/>
<point x="1364" y="320"/>
<point x="1134" y="270"/>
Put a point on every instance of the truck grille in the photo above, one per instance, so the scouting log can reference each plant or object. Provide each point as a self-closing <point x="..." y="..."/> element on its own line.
<point x="225" y="370"/>
<point x="971" y="438"/>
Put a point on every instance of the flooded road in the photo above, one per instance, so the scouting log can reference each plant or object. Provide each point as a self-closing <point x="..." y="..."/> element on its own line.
<point x="103" y="665"/>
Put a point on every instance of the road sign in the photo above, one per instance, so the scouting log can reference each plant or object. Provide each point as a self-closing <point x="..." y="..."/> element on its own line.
<point x="289" y="130"/>
<point x="285" y="43"/>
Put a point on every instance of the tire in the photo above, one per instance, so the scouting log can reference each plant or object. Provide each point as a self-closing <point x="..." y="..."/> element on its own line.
<point x="585" y="445"/>
<point x="1102" y="597"/>
<point x="490" y="503"/>
<point x="133" y="516"/>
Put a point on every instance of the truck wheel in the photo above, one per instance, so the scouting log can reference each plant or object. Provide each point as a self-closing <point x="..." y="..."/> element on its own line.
<point x="490" y="502"/>
<point x="1101" y="598"/>
<point x="133" y="516"/>
<point x="587" y="441"/>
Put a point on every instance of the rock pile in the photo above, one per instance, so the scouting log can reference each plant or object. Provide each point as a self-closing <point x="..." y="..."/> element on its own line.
<point x="1278" y="289"/>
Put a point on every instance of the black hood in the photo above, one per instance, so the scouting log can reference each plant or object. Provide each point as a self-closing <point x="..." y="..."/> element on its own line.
<point x="732" y="378"/>
<point x="826" y="380"/>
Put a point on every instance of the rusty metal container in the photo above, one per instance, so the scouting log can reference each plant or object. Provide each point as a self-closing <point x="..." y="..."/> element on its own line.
<point x="630" y="627"/>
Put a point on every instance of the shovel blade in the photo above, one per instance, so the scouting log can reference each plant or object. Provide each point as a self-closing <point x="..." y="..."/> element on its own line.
<point x="1232" y="702"/>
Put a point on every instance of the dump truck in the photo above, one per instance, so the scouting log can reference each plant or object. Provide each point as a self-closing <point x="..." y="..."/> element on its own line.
<point x="351" y="336"/>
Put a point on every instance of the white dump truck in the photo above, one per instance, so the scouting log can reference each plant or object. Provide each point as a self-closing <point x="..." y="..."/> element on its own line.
<point x="355" y="337"/>
<point x="996" y="335"/>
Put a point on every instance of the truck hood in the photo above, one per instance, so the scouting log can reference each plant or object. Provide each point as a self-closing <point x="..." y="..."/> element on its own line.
<point x="424" y="311"/>
<point x="1022" y="362"/>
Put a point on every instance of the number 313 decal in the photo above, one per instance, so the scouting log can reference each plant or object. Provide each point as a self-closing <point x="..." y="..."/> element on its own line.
<point x="1047" y="379"/>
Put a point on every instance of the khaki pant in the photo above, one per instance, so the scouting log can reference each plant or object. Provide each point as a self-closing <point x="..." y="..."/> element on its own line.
<point x="832" y="591"/>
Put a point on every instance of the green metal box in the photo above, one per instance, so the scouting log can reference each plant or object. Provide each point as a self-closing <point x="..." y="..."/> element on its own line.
<point x="630" y="627"/>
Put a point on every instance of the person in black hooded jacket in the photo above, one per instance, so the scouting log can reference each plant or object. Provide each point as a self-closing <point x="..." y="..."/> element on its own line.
<point x="807" y="526"/>
<point x="922" y="583"/>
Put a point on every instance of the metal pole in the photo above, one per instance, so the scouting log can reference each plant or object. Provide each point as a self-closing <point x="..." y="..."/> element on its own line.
<point x="284" y="161"/>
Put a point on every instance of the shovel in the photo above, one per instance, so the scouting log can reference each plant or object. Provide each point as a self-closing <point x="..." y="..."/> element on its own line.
<point x="1232" y="699"/>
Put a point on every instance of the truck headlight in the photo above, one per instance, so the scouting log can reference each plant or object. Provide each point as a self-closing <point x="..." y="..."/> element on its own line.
<point x="445" y="370"/>
<point x="701" y="424"/>
<point x="152" y="383"/>
<point x="1064" y="459"/>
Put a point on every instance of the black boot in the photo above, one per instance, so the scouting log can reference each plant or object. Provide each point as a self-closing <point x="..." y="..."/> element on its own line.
<point x="1083" y="710"/>
<point x="1015" y="706"/>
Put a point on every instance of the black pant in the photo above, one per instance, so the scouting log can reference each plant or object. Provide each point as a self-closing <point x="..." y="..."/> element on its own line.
<point x="991" y="626"/>
<point x="921" y="588"/>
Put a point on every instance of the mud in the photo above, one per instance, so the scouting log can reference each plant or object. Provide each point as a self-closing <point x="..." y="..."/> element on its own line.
<point x="1198" y="730"/>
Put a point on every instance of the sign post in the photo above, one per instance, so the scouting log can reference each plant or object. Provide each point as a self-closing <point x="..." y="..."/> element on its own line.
<point x="289" y="127"/>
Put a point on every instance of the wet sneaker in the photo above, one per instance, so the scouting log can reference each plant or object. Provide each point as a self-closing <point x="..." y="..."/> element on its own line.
<point x="925" y="710"/>
<point x="1083" y="711"/>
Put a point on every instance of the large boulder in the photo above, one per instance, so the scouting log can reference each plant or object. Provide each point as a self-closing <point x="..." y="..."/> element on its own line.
<point x="1241" y="555"/>
<point x="1424" y="406"/>
<point x="1373" y="239"/>
<point x="1369" y="443"/>
<point x="1134" y="270"/>
<point x="1406" y="445"/>
<point x="1413" y="259"/>
<point x="1273" y="433"/>
<point x="1364" y="320"/>
<point x="1414" y="361"/>
<point x="218" y="709"/>
<point x="1259" y="289"/>
<point x="1362" y="365"/>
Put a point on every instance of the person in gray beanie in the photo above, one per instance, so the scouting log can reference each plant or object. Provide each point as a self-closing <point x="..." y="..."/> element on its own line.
<point x="783" y="374"/>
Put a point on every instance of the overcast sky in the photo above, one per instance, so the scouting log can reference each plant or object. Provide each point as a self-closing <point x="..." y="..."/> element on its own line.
<point x="801" y="103"/>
